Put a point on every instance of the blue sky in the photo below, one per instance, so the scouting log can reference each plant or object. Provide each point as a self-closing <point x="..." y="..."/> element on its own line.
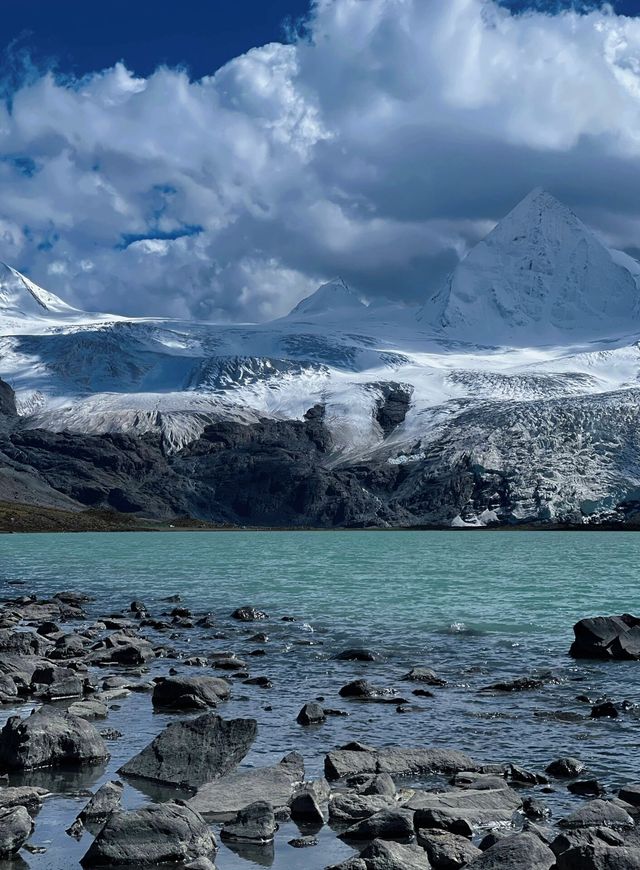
<point x="378" y="141"/>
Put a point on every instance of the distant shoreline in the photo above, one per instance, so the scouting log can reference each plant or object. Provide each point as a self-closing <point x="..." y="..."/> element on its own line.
<point x="17" y="518"/>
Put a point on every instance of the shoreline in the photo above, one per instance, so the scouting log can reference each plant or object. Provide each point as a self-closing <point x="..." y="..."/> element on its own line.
<point x="20" y="518"/>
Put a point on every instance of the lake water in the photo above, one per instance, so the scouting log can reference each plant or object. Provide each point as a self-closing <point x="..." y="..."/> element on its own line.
<point x="476" y="607"/>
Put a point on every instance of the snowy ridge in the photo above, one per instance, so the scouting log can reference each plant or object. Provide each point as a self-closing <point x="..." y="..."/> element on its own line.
<point x="526" y="364"/>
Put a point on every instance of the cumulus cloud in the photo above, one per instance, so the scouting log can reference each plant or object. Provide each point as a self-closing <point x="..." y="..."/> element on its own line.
<point x="379" y="145"/>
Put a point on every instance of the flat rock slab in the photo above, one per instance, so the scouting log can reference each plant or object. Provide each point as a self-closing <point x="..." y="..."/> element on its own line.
<point x="194" y="752"/>
<point x="223" y="798"/>
<point x="475" y="806"/>
<point x="155" y="834"/>
<point x="518" y="852"/>
<point x="48" y="738"/>
<point x="342" y="763"/>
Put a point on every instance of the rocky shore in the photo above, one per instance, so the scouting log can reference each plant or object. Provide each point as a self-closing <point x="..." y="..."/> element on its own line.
<point x="66" y="669"/>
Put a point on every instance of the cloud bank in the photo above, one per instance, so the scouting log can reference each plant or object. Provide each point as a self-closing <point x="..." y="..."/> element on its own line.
<point x="378" y="146"/>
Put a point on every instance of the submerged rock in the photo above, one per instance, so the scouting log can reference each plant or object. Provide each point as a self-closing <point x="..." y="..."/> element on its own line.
<point x="248" y="614"/>
<point x="154" y="834"/>
<point x="194" y="752"/>
<point x="48" y="738"/>
<point x="424" y="675"/>
<point x="565" y="768"/>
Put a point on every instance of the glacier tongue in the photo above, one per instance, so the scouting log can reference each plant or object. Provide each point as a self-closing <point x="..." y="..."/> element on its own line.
<point x="540" y="277"/>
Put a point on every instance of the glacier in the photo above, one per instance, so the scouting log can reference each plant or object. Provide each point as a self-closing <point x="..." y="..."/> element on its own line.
<point x="510" y="396"/>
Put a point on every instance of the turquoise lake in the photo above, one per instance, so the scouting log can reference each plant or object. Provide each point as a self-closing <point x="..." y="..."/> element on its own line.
<point x="476" y="607"/>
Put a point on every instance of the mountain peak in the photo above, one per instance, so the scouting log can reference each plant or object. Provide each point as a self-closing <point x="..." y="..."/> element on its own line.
<point x="539" y="277"/>
<point x="20" y="297"/>
<point x="333" y="296"/>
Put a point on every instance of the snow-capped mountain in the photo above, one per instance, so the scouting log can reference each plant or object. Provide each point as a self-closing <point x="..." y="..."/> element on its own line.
<point x="523" y="373"/>
<point x="540" y="277"/>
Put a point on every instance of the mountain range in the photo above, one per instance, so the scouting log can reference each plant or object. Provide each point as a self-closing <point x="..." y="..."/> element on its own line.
<point x="509" y="397"/>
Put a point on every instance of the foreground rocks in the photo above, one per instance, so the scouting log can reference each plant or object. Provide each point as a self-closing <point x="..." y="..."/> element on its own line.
<point x="48" y="738"/>
<point x="226" y="796"/>
<point x="194" y="752"/>
<point x="15" y="829"/>
<point x="155" y="834"/>
<point x="607" y="637"/>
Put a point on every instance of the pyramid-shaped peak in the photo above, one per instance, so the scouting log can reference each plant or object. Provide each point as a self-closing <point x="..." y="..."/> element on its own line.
<point x="539" y="277"/>
<point x="20" y="297"/>
<point x="335" y="295"/>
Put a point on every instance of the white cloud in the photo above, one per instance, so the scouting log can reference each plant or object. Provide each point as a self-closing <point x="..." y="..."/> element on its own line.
<point x="379" y="148"/>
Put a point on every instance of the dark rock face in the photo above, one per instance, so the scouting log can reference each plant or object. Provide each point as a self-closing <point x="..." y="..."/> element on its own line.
<point x="565" y="768"/>
<point x="311" y="714"/>
<point x="599" y="858"/>
<point x="194" y="752"/>
<point x="607" y="637"/>
<point x="190" y="693"/>
<point x="49" y="739"/>
<point x="388" y="824"/>
<point x="310" y="802"/>
<point x="155" y="834"/>
<point x="392" y="406"/>
<point x="255" y="823"/>
<point x="598" y="814"/>
<point x="15" y="829"/>
<point x="7" y="400"/>
<point x="517" y="852"/>
<point x="104" y="802"/>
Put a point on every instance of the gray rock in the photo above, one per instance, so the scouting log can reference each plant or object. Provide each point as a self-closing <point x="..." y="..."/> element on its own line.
<point x="311" y="714"/>
<point x="382" y="855"/>
<point x="226" y="796"/>
<point x="517" y="852"/>
<point x="565" y="768"/>
<point x="342" y="763"/>
<point x="200" y="864"/>
<point x="447" y="851"/>
<point x="88" y="709"/>
<point x="255" y="823"/>
<point x="123" y="649"/>
<point x="606" y="637"/>
<point x="378" y="783"/>
<point x="55" y="683"/>
<point x="190" y="693"/>
<point x="310" y="802"/>
<point x="599" y="858"/>
<point x="248" y="614"/>
<point x="104" y="802"/>
<point x="389" y="824"/>
<point x="358" y="655"/>
<point x="470" y="807"/>
<point x="630" y="794"/>
<point x="8" y="689"/>
<point x="28" y="796"/>
<point x="362" y="690"/>
<point x="424" y="675"/>
<point x="347" y="808"/>
<point x="566" y="840"/>
<point x="48" y="738"/>
<point x="194" y="752"/>
<point x="26" y="643"/>
<point x="16" y="826"/>
<point x="153" y="834"/>
<point x="479" y="781"/>
<point x="597" y="814"/>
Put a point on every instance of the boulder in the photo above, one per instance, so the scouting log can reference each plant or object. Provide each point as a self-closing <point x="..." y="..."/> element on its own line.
<point x="25" y="643"/>
<point x="518" y="852"/>
<point x="123" y="649"/>
<point x="630" y="794"/>
<point x="566" y="840"/>
<point x="190" y="693"/>
<point x="194" y="752"/>
<point x="358" y="655"/>
<point x="310" y="802"/>
<point x="47" y="738"/>
<point x="362" y="690"/>
<point x="342" y="763"/>
<point x="89" y="709"/>
<point x="255" y="823"/>
<point x="345" y="808"/>
<point x="28" y="796"/>
<point x="226" y="796"/>
<point x="471" y="807"/>
<point x="424" y="675"/>
<point x="607" y="637"/>
<point x="248" y="614"/>
<point x="565" y="768"/>
<point x="311" y="714"/>
<point x="16" y="826"/>
<point x="447" y="851"/>
<point x="388" y="824"/>
<point x="599" y="858"/>
<point x="55" y="683"/>
<point x="598" y="814"/>
<point x="373" y="783"/>
<point x="382" y="855"/>
<point x="150" y="835"/>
